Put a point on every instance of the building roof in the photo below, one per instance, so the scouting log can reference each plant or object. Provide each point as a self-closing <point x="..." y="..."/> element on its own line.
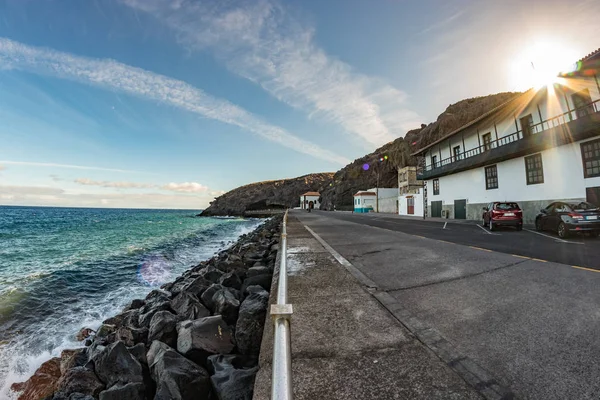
<point x="590" y="56"/>
<point x="366" y="194"/>
<point x="311" y="194"/>
<point x="473" y="122"/>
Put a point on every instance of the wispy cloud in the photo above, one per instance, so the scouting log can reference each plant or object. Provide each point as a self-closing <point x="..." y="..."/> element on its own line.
<point x="118" y="185"/>
<point x="135" y="81"/>
<point x="184" y="187"/>
<point x="263" y="42"/>
<point x="69" y="166"/>
<point x="47" y="196"/>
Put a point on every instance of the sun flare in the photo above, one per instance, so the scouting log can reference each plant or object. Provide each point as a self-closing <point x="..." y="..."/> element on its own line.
<point x="539" y="64"/>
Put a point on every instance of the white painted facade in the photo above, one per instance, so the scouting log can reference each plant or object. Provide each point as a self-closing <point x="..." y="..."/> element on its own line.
<point x="563" y="180"/>
<point x="463" y="177"/>
<point x="387" y="200"/>
<point x="305" y="201"/>
<point x="405" y="200"/>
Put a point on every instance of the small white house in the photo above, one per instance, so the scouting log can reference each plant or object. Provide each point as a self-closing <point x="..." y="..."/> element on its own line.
<point x="411" y="204"/>
<point x="364" y="201"/>
<point x="310" y="200"/>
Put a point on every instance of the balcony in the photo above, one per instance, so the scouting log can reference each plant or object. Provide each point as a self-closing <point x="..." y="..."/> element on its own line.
<point x="574" y="125"/>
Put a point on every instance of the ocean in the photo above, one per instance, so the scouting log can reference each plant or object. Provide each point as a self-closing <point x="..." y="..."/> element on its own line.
<point x="62" y="269"/>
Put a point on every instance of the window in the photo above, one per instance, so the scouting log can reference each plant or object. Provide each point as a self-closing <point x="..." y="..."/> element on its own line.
<point x="456" y="152"/>
<point x="434" y="161"/>
<point x="582" y="103"/>
<point x="436" y="186"/>
<point x="590" y="152"/>
<point x="527" y="125"/>
<point x="491" y="177"/>
<point x="534" y="169"/>
<point x="487" y="141"/>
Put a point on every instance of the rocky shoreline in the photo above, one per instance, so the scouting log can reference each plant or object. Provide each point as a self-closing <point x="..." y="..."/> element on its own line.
<point x="195" y="338"/>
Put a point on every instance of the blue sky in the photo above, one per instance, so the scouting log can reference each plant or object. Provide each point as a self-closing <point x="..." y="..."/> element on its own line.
<point x="168" y="103"/>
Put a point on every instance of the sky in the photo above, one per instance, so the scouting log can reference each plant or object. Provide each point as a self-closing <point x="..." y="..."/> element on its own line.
<point x="170" y="103"/>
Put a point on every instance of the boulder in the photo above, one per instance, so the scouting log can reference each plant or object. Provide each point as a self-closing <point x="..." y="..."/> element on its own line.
<point x="105" y="330"/>
<point x="254" y="289"/>
<point x="71" y="358"/>
<point x="115" y="364"/>
<point x="250" y="323"/>
<point x="80" y="380"/>
<point x="42" y="383"/>
<point x="131" y="318"/>
<point x="258" y="270"/>
<point x="207" y="296"/>
<point x="124" y="335"/>
<point x="203" y="337"/>
<point x="262" y="280"/>
<point x="211" y="274"/>
<point x="188" y="306"/>
<point x="196" y="286"/>
<point x="139" y="353"/>
<point x="130" y="391"/>
<point x="226" y="305"/>
<point x="230" y="381"/>
<point x="176" y="376"/>
<point x="83" y="334"/>
<point x="72" y="396"/>
<point x="136" y="303"/>
<point x="163" y="327"/>
<point x="231" y="280"/>
<point x="145" y="318"/>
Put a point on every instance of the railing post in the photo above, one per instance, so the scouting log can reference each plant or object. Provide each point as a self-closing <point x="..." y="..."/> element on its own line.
<point x="281" y="378"/>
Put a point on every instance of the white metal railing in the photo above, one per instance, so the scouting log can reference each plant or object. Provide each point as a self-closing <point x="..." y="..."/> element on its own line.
<point x="281" y="381"/>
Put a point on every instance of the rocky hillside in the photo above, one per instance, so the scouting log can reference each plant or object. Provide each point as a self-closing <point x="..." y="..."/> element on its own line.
<point x="281" y="193"/>
<point x="353" y="177"/>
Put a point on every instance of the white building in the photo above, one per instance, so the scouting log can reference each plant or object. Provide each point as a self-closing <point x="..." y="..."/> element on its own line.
<point x="310" y="200"/>
<point x="387" y="200"/>
<point x="364" y="201"/>
<point x="540" y="147"/>
<point x="410" y="192"/>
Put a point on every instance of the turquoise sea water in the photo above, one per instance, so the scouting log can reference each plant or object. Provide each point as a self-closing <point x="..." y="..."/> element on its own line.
<point x="65" y="268"/>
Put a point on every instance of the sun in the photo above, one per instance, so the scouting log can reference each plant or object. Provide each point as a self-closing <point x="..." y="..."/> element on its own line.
<point x="539" y="64"/>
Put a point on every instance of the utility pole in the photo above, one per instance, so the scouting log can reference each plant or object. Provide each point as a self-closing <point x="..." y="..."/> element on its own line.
<point x="377" y="191"/>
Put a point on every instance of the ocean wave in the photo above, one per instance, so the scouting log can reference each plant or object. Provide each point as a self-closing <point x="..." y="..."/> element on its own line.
<point x="50" y="306"/>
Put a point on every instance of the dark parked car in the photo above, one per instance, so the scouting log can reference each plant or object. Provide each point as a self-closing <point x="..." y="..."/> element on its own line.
<point x="568" y="218"/>
<point x="507" y="213"/>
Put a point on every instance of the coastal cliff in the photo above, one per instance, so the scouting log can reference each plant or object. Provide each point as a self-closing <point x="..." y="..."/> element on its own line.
<point x="282" y="193"/>
<point x="353" y="177"/>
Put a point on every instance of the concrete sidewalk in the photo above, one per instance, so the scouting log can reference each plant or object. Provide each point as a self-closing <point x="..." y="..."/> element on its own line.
<point x="345" y="344"/>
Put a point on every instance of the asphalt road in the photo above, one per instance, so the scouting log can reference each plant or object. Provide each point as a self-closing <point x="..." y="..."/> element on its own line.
<point x="531" y="324"/>
<point x="578" y="250"/>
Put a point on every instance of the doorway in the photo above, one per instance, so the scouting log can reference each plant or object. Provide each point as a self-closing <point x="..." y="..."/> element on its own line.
<point x="410" y="205"/>
<point x="311" y="205"/>
<point x="460" y="209"/>
<point x="436" y="209"/>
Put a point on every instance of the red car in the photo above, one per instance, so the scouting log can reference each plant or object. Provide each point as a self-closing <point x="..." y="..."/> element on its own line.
<point x="507" y="213"/>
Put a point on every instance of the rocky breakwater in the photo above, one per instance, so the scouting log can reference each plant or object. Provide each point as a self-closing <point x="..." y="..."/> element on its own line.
<point x="195" y="338"/>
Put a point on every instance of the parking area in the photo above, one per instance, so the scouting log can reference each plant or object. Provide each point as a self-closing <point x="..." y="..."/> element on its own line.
<point x="578" y="250"/>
